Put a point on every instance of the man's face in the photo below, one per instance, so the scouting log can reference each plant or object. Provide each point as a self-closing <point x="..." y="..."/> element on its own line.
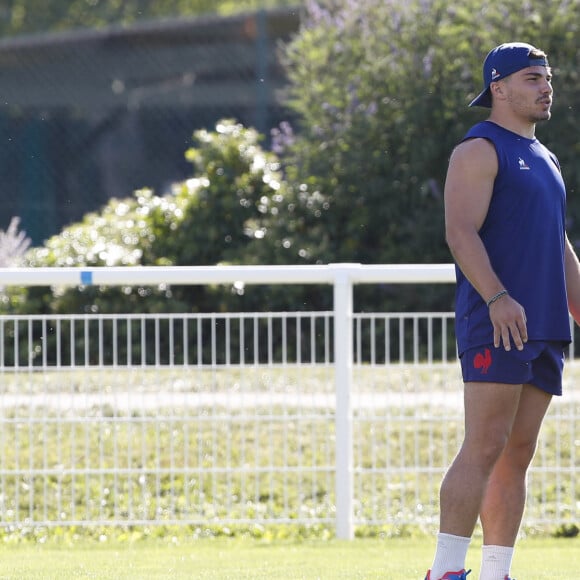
<point x="529" y="93"/>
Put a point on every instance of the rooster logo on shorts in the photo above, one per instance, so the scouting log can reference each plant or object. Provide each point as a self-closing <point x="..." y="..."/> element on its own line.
<point x="482" y="361"/>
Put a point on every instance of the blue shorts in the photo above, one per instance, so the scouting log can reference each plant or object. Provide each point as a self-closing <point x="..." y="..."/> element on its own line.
<point x="539" y="363"/>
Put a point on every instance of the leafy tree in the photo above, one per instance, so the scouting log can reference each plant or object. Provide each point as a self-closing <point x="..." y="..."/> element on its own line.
<point x="227" y="206"/>
<point x="119" y="235"/>
<point x="380" y="88"/>
<point x="36" y="16"/>
<point x="13" y="244"/>
<point x="232" y="213"/>
<point x="221" y="215"/>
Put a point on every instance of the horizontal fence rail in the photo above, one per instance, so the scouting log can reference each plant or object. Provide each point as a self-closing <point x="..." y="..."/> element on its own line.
<point x="330" y="418"/>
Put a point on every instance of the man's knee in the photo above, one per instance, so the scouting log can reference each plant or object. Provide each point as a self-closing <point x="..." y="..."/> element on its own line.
<point x="486" y="452"/>
<point x="520" y="453"/>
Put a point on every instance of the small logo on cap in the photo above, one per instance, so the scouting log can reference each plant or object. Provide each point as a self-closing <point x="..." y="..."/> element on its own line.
<point x="494" y="74"/>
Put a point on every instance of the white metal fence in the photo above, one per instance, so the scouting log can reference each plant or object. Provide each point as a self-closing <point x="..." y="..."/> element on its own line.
<point x="314" y="418"/>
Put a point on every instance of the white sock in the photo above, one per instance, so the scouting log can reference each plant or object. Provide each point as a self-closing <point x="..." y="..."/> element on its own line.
<point x="450" y="555"/>
<point x="496" y="562"/>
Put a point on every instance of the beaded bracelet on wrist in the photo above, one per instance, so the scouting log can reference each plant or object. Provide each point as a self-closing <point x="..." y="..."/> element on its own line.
<point x="496" y="297"/>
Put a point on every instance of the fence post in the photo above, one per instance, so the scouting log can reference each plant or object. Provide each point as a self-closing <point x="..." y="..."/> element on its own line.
<point x="343" y="353"/>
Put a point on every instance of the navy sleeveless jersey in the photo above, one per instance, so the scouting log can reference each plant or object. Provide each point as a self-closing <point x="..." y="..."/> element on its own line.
<point x="524" y="235"/>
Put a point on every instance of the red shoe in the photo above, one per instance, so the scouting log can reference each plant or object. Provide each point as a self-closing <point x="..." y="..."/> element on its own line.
<point x="461" y="575"/>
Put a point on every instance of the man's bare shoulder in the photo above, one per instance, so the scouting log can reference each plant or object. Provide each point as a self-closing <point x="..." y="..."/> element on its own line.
<point x="475" y="146"/>
<point x="475" y="154"/>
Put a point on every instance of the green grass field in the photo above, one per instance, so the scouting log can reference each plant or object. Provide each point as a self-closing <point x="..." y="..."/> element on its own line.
<point x="134" y="457"/>
<point x="221" y="559"/>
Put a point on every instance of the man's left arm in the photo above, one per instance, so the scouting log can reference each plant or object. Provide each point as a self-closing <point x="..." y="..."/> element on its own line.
<point x="572" y="265"/>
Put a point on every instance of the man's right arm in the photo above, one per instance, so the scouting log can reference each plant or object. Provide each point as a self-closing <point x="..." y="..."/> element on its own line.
<point x="468" y="189"/>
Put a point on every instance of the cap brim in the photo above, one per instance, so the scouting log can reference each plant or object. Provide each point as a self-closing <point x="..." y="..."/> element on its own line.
<point x="482" y="100"/>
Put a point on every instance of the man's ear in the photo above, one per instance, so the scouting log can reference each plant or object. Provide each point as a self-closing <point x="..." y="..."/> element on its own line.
<point x="497" y="90"/>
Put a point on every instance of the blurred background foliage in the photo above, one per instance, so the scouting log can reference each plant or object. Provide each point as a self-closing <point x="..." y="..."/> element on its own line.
<point x="379" y="92"/>
<point x="19" y="17"/>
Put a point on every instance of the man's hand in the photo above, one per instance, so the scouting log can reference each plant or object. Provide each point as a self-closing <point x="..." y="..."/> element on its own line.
<point x="509" y="320"/>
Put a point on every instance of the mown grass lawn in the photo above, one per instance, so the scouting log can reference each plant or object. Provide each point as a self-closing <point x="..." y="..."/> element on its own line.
<point x="220" y="559"/>
<point x="238" y="469"/>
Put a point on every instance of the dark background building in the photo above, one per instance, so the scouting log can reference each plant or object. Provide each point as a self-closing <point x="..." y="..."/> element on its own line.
<point x="86" y="116"/>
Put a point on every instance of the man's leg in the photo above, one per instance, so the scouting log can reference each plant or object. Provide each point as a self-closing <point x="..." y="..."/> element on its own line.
<point x="504" y="500"/>
<point x="505" y="497"/>
<point x="490" y="410"/>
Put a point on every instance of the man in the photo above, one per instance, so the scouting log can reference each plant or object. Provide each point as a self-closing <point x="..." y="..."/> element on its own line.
<point x="518" y="279"/>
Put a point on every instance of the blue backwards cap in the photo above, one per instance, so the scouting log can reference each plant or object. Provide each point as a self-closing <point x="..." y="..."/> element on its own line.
<point x="501" y="62"/>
